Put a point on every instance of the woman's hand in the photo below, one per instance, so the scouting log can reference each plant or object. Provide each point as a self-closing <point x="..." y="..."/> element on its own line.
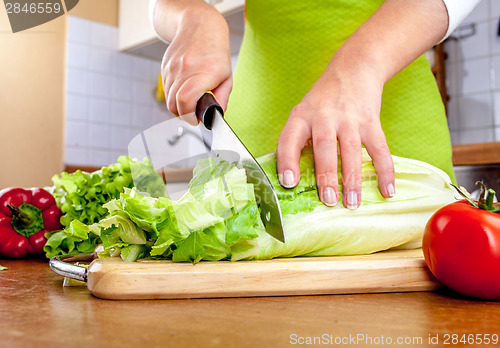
<point x="343" y="106"/>
<point x="198" y="59"/>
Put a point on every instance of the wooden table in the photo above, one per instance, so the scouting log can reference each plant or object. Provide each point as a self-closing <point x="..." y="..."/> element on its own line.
<point x="37" y="311"/>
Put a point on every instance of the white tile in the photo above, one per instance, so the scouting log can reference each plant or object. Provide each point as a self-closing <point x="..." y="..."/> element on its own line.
<point x="154" y="70"/>
<point x="75" y="155"/>
<point x="475" y="111"/>
<point x="494" y="9"/>
<point x="475" y="76"/>
<point x="453" y="77"/>
<point x="112" y="34"/>
<point x="495" y="71"/>
<point x="101" y="35"/>
<point x="473" y="136"/>
<point x="452" y="113"/>
<point x="160" y="114"/>
<point x="120" y="137"/>
<point x="77" y="107"/>
<point x="98" y="158"/>
<point x="496" y="108"/>
<point x="122" y="88"/>
<point x="100" y="60"/>
<point x="133" y="132"/>
<point x="100" y="85"/>
<point x="141" y="116"/>
<point x="476" y="45"/>
<point x="76" y="133"/>
<point x="99" y="136"/>
<point x="479" y="13"/>
<point x="101" y="110"/>
<point x="451" y="49"/>
<point x="455" y="137"/>
<point x="76" y="81"/>
<point x="494" y="38"/>
<point x="234" y="61"/>
<point x="77" y="55"/>
<point x="497" y="133"/>
<point x="114" y="154"/>
<point x="123" y="65"/>
<point x="141" y="69"/>
<point x="78" y="29"/>
<point x="122" y="113"/>
<point x="143" y="92"/>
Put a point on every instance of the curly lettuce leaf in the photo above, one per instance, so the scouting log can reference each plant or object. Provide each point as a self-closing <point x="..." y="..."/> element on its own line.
<point x="83" y="197"/>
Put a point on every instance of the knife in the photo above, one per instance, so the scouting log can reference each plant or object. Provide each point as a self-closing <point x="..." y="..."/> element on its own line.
<point x="227" y="145"/>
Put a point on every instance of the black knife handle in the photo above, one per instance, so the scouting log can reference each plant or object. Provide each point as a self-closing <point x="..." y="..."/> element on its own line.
<point x="205" y="109"/>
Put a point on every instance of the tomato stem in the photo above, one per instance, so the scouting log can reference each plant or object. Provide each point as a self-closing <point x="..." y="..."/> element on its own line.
<point x="485" y="201"/>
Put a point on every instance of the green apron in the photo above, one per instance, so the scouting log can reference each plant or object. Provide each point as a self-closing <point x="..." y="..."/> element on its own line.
<point x="285" y="49"/>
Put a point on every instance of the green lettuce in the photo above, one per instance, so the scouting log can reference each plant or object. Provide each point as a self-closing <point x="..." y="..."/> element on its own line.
<point x="82" y="197"/>
<point x="219" y="219"/>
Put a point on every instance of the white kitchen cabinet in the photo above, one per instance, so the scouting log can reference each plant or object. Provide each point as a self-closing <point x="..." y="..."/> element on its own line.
<point x="137" y="36"/>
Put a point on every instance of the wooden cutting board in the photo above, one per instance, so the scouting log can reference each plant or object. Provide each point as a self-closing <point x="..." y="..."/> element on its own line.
<point x="389" y="271"/>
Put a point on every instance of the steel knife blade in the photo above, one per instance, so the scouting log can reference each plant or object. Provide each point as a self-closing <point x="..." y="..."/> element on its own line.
<point x="227" y="145"/>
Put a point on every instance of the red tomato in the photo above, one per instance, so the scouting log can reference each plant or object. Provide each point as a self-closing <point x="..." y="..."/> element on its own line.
<point x="461" y="245"/>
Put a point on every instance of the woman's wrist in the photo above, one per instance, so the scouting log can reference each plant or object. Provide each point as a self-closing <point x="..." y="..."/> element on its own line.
<point x="172" y="16"/>
<point x="205" y="16"/>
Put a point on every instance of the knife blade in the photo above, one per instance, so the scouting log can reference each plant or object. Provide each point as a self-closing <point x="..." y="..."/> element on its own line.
<point x="227" y="145"/>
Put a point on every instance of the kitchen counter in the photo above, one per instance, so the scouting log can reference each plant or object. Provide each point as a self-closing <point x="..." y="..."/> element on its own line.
<point x="37" y="311"/>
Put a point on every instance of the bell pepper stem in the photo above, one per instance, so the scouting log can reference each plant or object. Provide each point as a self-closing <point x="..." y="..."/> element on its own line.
<point x="26" y="219"/>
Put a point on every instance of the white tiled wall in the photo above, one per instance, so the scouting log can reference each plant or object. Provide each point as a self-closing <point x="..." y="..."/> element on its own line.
<point x="473" y="78"/>
<point x="109" y="96"/>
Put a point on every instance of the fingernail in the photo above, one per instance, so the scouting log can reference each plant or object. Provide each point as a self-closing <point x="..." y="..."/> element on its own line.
<point x="288" y="179"/>
<point x="352" y="200"/>
<point x="329" y="196"/>
<point x="390" y="190"/>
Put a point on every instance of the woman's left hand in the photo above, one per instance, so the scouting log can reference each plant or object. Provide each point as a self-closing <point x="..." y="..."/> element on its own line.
<point x="343" y="106"/>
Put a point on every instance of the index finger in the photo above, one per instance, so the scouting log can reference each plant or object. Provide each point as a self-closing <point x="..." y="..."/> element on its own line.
<point x="292" y="139"/>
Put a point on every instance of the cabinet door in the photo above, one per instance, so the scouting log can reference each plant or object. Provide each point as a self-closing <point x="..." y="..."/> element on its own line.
<point x="135" y="26"/>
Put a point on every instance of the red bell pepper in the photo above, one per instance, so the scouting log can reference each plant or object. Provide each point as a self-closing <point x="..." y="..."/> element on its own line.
<point x="25" y="216"/>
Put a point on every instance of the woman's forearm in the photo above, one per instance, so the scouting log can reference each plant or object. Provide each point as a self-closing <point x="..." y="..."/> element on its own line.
<point x="394" y="36"/>
<point x="168" y="15"/>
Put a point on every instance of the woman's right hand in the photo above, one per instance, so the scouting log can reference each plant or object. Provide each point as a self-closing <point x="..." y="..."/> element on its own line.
<point x="197" y="60"/>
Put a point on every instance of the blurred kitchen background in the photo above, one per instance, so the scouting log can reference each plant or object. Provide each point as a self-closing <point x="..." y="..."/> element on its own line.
<point x="75" y="91"/>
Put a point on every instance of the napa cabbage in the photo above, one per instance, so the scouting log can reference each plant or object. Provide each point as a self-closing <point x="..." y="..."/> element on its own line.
<point x="219" y="219"/>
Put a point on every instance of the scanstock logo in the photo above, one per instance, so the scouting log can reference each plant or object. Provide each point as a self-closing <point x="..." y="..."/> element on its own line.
<point x="25" y="14"/>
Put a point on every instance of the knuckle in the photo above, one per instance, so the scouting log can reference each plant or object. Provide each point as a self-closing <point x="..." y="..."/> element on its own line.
<point x="285" y="139"/>
<point x="187" y="61"/>
<point x="387" y="170"/>
<point x="291" y="132"/>
<point x="324" y="141"/>
<point x="327" y="178"/>
<point x="381" y="147"/>
<point x="171" y="105"/>
<point x="352" y="180"/>
<point x="169" y="66"/>
<point x="350" y="144"/>
<point x="182" y="96"/>
<point x="303" y="112"/>
<point x="299" y="109"/>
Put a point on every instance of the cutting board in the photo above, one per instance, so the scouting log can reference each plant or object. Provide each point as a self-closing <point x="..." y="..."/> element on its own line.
<point x="389" y="271"/>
